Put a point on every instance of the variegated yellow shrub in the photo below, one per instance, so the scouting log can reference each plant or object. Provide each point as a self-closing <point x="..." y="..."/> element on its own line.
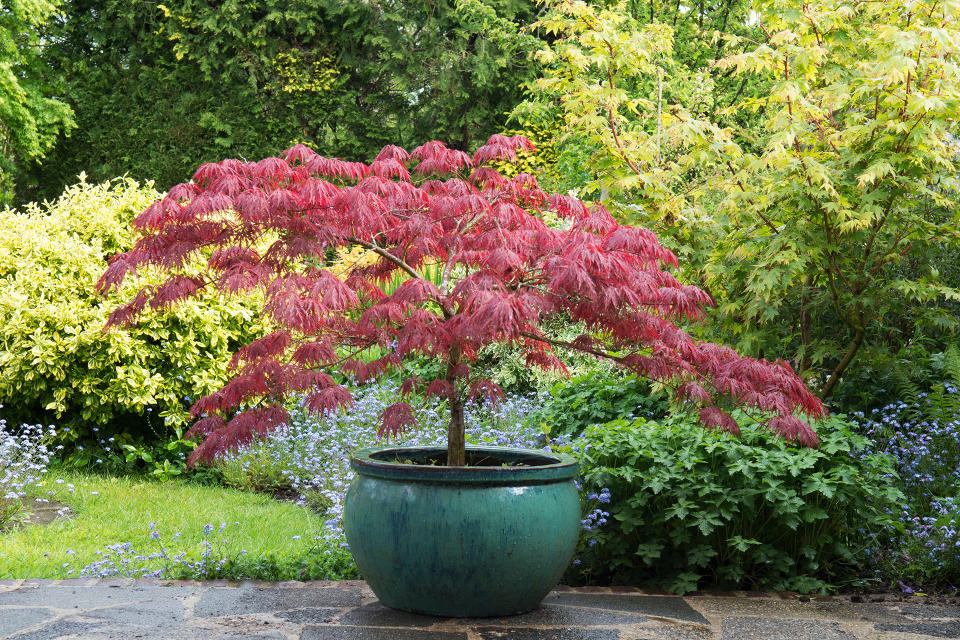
<point x="351" y="258"/>
<point x="57" y="363"/>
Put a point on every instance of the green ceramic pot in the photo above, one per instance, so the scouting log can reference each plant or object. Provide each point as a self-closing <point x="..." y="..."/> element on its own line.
<point x="487" y="539"/>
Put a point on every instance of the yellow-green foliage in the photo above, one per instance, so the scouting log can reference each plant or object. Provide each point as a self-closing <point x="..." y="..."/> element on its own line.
<point x="542" y="162"/>
<point x="351" y="258"/>
<point x="294" y="74"/>
<point x="56" y="362"/>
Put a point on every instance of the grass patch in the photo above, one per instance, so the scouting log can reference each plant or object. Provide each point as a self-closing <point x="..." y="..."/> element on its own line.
<point x="236" y="534"/>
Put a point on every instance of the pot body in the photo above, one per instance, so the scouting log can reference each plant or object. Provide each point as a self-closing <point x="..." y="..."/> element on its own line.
<point x="462" y="541"/>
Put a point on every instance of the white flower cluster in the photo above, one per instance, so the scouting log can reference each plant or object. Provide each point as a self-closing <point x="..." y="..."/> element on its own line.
<point x="24" y="457"/>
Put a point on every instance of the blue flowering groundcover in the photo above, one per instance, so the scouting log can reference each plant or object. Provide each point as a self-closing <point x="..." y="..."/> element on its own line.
<point x="311" y="457"/>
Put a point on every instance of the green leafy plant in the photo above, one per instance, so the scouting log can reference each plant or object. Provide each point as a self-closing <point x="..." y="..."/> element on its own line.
<point x="507" y="367"/>
<point x="596" y="398"/>
<point x="914" y="373"/>
<point x="260" y="468"/>
<point x="217" y="556"/>
<point x="688" y="506"/>
<point x="163" y="461"/>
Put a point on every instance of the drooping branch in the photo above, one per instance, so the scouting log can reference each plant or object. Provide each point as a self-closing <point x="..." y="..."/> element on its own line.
<point x="573" y="347"/>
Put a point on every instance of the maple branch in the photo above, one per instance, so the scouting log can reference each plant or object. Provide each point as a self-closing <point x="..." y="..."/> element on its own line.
<point x="569" y="345"/>
<point x="844" y="363"/>
<point x="839" y="271"/>
<point x="876" y="229"/>
<point x="834" y="292"/>
<point x="803" y="162"/>
<point x="742" y="189"/>
<point x="906" y="135"/>
<point x="613" y="125"/>
<point x="445" y="279"/>
<point x="697" y="376"/>
<point x="891" y="256"/>
<point x="456" y="428"/>
<point x="386" y="254"/>
<point x="825" y="137"/>
<point x="349" y="356"/>
<point x="813" y="24"/>
<point x="736" y="96"/>
<point x="831" y="255"/>
<point x="806" y="334"/>
<point x="876" y="112"/>
<point x="769" y="37"/>
<point x="906" y="94"/>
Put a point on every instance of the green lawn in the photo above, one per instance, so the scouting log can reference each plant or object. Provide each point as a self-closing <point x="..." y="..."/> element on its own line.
<point x="261" y="534"/>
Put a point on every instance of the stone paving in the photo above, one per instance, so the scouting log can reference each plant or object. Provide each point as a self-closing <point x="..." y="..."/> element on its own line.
<point x="122" y="608"/>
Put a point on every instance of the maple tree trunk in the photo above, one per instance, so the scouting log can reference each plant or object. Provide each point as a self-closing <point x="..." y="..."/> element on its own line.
<point x="456" y="436"/>
<point x="456" y="439"/>
<point x="842" y="365"/>
<point x="806" y="333"/>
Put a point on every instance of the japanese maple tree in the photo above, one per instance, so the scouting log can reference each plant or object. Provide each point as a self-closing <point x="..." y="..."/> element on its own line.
<point x="271" y="224"/>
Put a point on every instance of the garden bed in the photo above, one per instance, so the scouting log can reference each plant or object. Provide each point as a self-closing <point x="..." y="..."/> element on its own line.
<point x="302" y="470"/>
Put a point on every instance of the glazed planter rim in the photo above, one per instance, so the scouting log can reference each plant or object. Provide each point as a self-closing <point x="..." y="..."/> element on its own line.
<point x="555" y="467"/>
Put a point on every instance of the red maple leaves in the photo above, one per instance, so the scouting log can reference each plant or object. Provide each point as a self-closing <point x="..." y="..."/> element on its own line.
<point x="501" y="271"/>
